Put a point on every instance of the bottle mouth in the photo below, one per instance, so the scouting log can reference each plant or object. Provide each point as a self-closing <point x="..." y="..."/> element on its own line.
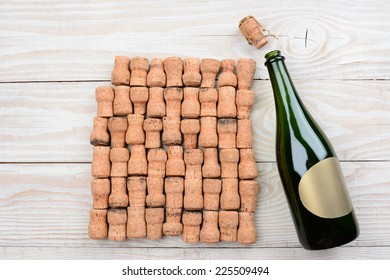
<point x="273" y="56"/>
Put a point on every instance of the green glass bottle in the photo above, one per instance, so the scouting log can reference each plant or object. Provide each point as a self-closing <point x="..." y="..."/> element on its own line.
<point x="309" y="169"/>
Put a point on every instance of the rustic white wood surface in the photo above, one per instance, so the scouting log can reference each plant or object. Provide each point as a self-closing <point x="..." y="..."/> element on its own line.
<point x="54" y="54"/>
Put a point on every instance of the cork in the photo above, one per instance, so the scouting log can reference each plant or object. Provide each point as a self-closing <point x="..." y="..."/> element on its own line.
<point x="208" y="98"/>
<point x="244" y="134"/>
<point x="154" y="223"/>
<point x="227" y="129"/>
<point x="171" y="131"/>
<point x="193" y="197"/>
<point x="156" y="76"/>
<point x="98" y="228"/>
<point x="246" y="233"/>
<point x="244" y="102"/>
<point x="155" y="107"/>
<point x="152" y="127"/>
<point x="247" y="168"/>
<point x="117" y="220"/>
<point x="173" y="67"/>
<point x="191" y="226"/>
<point x="119" y="158"/>
<point x="227" y="76"/>
<point x="139" y="67"/>
<point x="190" y="107"/>
<point x="100" y="189"/>
<point x="155" y="197"/>
<point x="172" y="225"/>
<point x="190" y="129"/>
<point x="227" y="102"/>
<point x="230" y="199"/>
<point x="193" y="159"/>
<point x="101" y="166"/>
<point x="209" y="232"/>
<point x="117" y="127"/>
<point x="246" y="68"/>
<point x="191" y="76"/>
<point x="136" y="186"/>
<point x="118" y="197"/>
<point x="138" y="164"/>
<point x="122" y="102"/>
<point x="139" y="96"/>
<point x="173" y="98"/>
<point x="208" y="137"/>
<point x="209" y="68"/>
<point x="252" y="30"/>
<point x="229" y="162"/>
<point x="174" y="187"/>
<point x="121" y="74"/>
<point x="99" y="135"/>
<point x="211" y="167"/>
<point x="104" y="97"/>
<point x="136" y="225"/>
<point x="228" y="223"/>
<point x="156" y="163"/>
<point x="248" y="194"/>
<point x="211" y="192"/>
<point x="175" y="165"/>
<point x="135" y="133"/>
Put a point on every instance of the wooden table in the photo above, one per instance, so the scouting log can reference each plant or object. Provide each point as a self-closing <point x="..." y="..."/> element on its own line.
<point x="53" y="55"/>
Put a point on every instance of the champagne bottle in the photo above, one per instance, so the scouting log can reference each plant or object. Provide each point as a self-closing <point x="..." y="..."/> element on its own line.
<point x="309" y="169"/>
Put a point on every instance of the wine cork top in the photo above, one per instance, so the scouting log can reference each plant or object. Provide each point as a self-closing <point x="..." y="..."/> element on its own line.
<point x="253" y="31"/>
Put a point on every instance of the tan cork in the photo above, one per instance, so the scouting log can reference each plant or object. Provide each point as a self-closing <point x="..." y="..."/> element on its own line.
<point x="193" y="159"/>
<point x="210" y="232"/>
<point x="121" y="74"/>
<point x="229" y="162"/>
<point x="135" y="133"/>
<point x="171" y="131"/>
<point x="174" y="187"/>
<point x="117" y="221"/>
<point x="247" y="168"/>
<point x="211" y="191"/>
<point x="117" y="127"/>
<point x="175" y="165"/>
<point x="173" y="67"/>
<point x="191" y="76"/>
<point x="99" y="135"/>
<point x="252" y="30"/>
<point x="172" y="225"/>
<point x="227" y="76"/>
<point x="100" y="189"/>
<point x="246" y="233"/>
<point x="104" y="97"/>
<point x="173" y="98"/>
<point x="138" y="165"/>
<point x="101" y="166"/>
<point x="136" y="225"/>
<point x="118" y="197"/>
<point x="193" y="197"/>
<point x="155" y="197"/>
<point x="156" y="163"/>
<point x="155" y="107"/>
<point x="98" y="227"/>
<point x="244" y="101"/>
<point x="211" y="167"/>
<point x="190" y="108"/>
<point x="227" y="102"/>
<point x="190" y="129"/>
<point x="136" y="187"/>
<point x="230" y="199"/>
<point x="152" y="127"/>
<point x="208" y="137"/>
<point x="139" y="96"/>
<point x="139" y="67"/>
<point x="248" y="194"/>
<point x="208" y="98"/>
<point x="119" y="158"/>
<point x="191" y="226"/>
<point x="122" y="102"/>
<point x="156" y="76"/>
<point x="154" y="223"/>
<point x="209" y="68"/>
<point x="246" y="68"/>
<point x="228" y="223"/>
<point x="244" y="134"/>
<point x="227" y="129"/>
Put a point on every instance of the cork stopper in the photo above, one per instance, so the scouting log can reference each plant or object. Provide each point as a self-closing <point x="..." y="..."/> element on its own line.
<point x="155" y="197"/>
<point x="118" y="197"/>
<point x="153" y="127"/>
<point x="208" y="98"/>
<point x="191" y="76"/>
<point x="171" y="131"/>
<point x="119" y="158"/>
<point x="156" y="76"/>
<point x="208" y="137"/>
<point x="227" y="76"/>
<point x="101" y="166"/>
<point x="155" y="107"/>
<point x="211" y="167"/>
<point x="156" y="163"/>
<point x="175" y="164"/>
<point x="227" y="102"/>
<point x="139" y="96"/>
<point x="139" y="67"/>
<point x="173" y="67"/>
<point x="104" y="97"/>
<point x="173" y="225"/>
<point x="246" y="233"/>
<point x="100" y="189"/>
<point x="210" y="231"/>
<point x="244" y="101"/>
<point x="117" y="220"/>
<point x="173" y="98"/>
<point x="248" y="194"/>
<point x="121" y="73"/>
<point x="136" y="187"/>
<point x="253" y="32"/>
<point x="246" y="68"/>
<point x="211" y="191"/>
<point x="193" y="196"/>
<point x="138" y="164"/>
<point x="136" y="225"/>
<point x="227" y="129"/>
<point x="230" y="199"/>
<point x="135" y="133"/>
<point x="209" y="68"/>
<point x="228" y="223"/>
<point x="193" y="159"/>
<point x="174" y="187"/>
<point x="122" y="103"/>
<point x="190" y="129"/>
<point x="99" y="135"/>
<point x="98" y="228"/>
<point x="154" y="223"/>
<point x="190" y="107"/>
<point x="229" y="162"/>
<point x="191" y="226"/>
<point x="117" y="127"/>
<point x="247" y="168"/>
<point x="244" y="134"/>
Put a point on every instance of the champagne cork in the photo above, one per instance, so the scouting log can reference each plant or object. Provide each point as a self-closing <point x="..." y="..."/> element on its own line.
<point x="136" y="187"/>
<point x="138" y="164"/>
<point x="154" y="223"/>
<point x="139" y="67"/>
<point x="248" y="194"/>
<point x="156" y="76"/>
<point x="100" y="189"/>
<point x="104" y="98"/>
<point x="247" y="168"/>
<point x="230" y="199"/>
<point x="156" y="163"/>
<point x="118" y="197"/>
<point x="193" y="159"/>
<point x="208" y="98"/>
<point x="246" y="68"/>
<point x="152" y="129"/>
<point x="193" y="197"/>
<point x="244" y="101"/>
<point x="119" y="158"/>
<point x="98" y="228"/>
<point x="172" y="225"/>
<point x="227" y="129"/>
<point x="139" y="96"/>
<point x="101" y="166"/>
<point x="173" y="98"/>
<point x="135" y="133"/>
<point x="117" y="127"/>
<point x="228" y="223"/>
<point x="227" y="76"/>
<point x="208" y="137"/>
<point x="174" y="187"/>
<point x="155" y="107"/>
<point x="246" y="233"/>
<point x="190" y="107"/>
<point x="244" y="134"/>
<point x="211" y="167"/>
<point x="211" y="192"/>
<point x="209" y="68"/>
<point x="122" y="103"/>
<point x="191" y="226"/>
<point x="99" y="135"/>
<point x="229" y="162"/>
<point x="173" y="67"/>
<point x="155" y="197"/>
<point x="210" y="231"/>
<point x="171" y="131"/>
<point x="136" y="225"/>
<point x="190" y="129"/>
<point x="252" y="30"/>
<point x="191" y="76"/>
<point x="117" y="220"/>
<point x="175" y="164"/>
<point x="121" y="73"/>
<point x="227" y="102"/>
